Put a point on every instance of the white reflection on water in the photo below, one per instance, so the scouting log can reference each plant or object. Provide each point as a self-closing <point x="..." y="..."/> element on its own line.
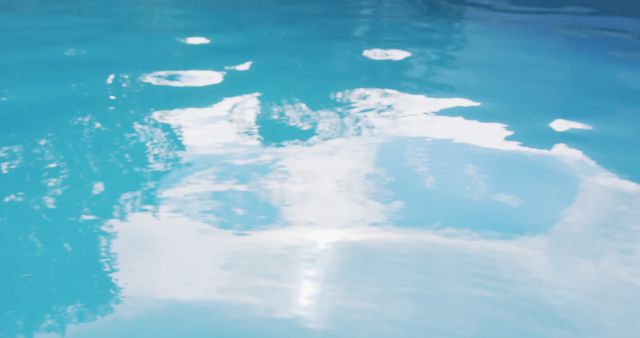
<point x="394" y="113"/>
<point x="10" y="158"/>
<point x="561" y="125"/>
<point x="333" y="256"/>
<point x="195" y="40"/>
<point x="243" y="67"/>
<point x="184" y="78"/>
<point x="226" y="125"/>
<point x="386" y="54"/>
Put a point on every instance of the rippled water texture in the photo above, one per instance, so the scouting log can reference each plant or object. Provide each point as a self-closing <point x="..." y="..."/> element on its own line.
<point x="405" y="168"/>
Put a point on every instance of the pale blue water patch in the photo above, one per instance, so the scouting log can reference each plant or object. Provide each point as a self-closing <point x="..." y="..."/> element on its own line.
<point x="319" y="168"/>
<point x="435" y="180"/>
<point x="230" y="204"/>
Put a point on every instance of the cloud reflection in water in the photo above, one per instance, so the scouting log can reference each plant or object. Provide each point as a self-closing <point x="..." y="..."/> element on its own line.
<point x="333" y="256"/>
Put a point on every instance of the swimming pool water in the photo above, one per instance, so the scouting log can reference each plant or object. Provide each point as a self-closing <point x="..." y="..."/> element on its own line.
<point x="281" y="168"/>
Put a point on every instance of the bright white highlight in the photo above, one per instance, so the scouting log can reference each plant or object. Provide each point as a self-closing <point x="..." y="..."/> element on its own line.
<point x="98" y="188"/>
<point x="184" y="78"/>
<point x="196" y="40"/>
<point x="241" y="67"/>
<point x="231" y="122"/>
<point x="386" y="54"/>
<point x="561" y="125"/>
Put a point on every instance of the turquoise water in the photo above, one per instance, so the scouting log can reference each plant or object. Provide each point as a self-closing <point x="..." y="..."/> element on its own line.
<point x="309" y="168"/>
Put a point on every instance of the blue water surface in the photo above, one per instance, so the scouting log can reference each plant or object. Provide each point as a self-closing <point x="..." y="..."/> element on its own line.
<point x="281" y="168"/>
